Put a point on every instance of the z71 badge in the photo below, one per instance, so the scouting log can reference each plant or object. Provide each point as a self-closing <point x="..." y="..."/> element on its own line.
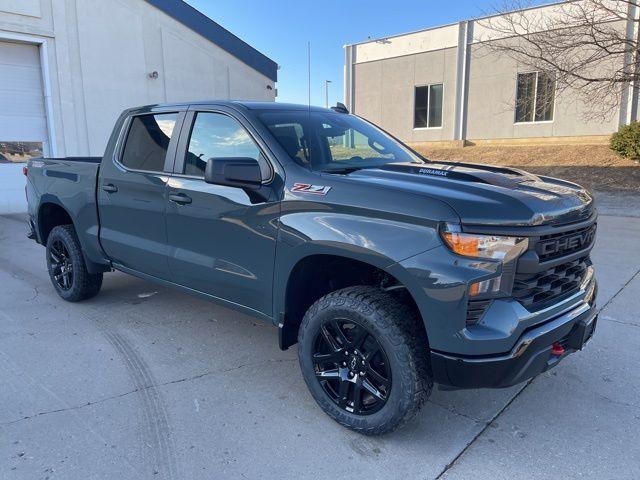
<point x="312" y="189"/>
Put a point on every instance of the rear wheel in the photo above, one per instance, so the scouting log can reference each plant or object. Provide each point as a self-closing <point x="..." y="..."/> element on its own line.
<point x="67" y="268"/>
<point x="363" y="355"/>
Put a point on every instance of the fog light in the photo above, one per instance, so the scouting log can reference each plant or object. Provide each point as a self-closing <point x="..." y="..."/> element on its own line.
<point x="485" y="287"/>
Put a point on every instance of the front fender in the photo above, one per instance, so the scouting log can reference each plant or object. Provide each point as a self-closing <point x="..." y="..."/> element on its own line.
<point x="378" y="242"/>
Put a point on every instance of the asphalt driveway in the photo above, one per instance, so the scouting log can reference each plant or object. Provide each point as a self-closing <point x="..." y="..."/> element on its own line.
<point x="146" y="382"/>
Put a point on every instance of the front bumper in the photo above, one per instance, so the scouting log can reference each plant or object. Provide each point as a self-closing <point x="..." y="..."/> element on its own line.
<point x="531" y="355"/>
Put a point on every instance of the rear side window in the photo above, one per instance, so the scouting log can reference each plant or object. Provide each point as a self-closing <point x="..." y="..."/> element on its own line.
<point x="215" y="135"/>
<point x="148" y="141"/>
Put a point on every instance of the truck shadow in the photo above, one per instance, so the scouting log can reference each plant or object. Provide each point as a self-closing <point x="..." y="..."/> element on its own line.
<point x="216" y="339"/>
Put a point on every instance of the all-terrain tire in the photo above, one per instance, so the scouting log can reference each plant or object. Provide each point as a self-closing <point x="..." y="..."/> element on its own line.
<point x="82" y="285"/>
<point x="398" y="330"/>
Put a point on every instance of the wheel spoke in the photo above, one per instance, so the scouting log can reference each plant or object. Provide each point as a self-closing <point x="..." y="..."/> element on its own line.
<point x="368" y="386"/>
<point x="357" y="396"/>
<point x="376" y="377"/>
<point x="326" y="334"/>
<point x="343" y="393"/>
<point x="372" y="353"/>
<point x="321" y="358"/>
<point x="359" y="337"/>
<point x="328" y="375"/>
<point x="340" y="334"/>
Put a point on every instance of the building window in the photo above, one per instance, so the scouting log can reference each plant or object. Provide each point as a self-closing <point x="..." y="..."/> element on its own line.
<point x="535" y="97"/>
<point x="428" y="106"/>
<point x="19" y="151"/>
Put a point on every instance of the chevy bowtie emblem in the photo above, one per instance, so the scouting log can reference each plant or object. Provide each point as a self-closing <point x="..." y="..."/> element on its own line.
<point x="312" y="189"/>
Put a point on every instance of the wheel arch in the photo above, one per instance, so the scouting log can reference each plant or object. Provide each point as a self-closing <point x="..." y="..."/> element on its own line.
<point x="316" y="274"/>
<point x="51" y="214"/>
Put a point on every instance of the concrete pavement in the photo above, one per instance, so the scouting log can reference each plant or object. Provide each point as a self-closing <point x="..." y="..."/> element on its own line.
<point x="146" y="382"/>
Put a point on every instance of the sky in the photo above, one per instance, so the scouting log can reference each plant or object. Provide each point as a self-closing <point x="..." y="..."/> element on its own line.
<point x="281" y="30"/>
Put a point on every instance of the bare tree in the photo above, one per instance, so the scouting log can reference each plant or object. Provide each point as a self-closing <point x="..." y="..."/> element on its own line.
<point x="590" y="47"/>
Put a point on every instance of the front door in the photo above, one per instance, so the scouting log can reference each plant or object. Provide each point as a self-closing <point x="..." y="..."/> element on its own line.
<point x="222" y="240"/>
<point x="132" y="192"/>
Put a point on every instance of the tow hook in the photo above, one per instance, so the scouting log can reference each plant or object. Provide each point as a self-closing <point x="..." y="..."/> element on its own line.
<point x="557" y="349"/>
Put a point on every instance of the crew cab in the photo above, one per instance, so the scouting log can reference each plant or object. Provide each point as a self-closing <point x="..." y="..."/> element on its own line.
<point x="391" y="272"/>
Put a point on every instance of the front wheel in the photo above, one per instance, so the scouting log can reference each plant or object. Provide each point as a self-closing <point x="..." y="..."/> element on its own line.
<point x="364" y="357"/>
<point x="67" y="268"/>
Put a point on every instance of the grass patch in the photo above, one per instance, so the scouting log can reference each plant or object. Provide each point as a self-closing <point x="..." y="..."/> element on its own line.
<point x="595" y="167"/>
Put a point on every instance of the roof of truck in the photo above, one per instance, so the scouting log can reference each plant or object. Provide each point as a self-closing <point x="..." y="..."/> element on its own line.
<point x="250" y="105"/>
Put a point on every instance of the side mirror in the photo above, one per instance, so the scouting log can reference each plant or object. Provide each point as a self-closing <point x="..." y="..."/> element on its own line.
<point x="238" y="172"/>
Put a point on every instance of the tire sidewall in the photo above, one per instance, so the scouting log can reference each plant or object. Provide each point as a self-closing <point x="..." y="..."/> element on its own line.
<point x="63" y="235"/>
<point x="397" y="353"/>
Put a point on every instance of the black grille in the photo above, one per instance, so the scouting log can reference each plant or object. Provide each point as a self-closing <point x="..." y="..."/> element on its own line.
<point x="538" y="290"/>
<point x="550" y="247"/>
<point x="475" y="310"/>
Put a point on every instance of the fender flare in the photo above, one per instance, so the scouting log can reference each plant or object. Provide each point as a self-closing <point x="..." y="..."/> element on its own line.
<point x="285" y="269"/>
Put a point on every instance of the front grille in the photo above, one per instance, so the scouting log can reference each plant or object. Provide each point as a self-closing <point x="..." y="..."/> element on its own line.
<point x="556" y="245"/>
<point x="538" y="290"/>
<point x="475" y="310"/>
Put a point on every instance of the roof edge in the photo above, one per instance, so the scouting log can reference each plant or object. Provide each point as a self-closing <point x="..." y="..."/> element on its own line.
<point x="472" y="19"/>
<point x="197" y="21"/>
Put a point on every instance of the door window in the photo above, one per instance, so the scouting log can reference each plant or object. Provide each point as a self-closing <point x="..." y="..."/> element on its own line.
<point x="215" y="135"/>
<point x="148" y="141"/>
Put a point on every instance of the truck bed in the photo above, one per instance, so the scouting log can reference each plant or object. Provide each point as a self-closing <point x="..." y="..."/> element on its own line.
<point x="69" y="182"/>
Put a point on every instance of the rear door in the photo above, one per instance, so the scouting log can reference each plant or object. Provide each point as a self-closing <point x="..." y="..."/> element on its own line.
<point x="222" y="239"/>
<point x="132" y="193"/>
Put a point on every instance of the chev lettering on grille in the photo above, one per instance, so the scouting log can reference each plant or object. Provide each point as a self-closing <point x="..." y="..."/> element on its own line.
<point x="570" y="242"/>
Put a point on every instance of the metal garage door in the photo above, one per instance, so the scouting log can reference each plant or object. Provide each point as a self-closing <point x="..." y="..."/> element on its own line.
<point x="23" y="123"/>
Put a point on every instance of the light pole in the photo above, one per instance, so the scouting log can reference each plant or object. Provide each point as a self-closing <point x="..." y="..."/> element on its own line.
<point x="326" y="93"/>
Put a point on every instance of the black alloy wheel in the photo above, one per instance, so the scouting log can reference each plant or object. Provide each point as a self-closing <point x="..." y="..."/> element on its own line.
<point x="352" y="367"/>
<point x="67" y="266"/>
<point x="364" y="355"/>
<point x="61" y="265"/>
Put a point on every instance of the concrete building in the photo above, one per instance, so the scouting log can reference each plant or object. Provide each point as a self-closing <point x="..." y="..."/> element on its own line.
<point x="69" y="67"/>
<point x="442" y="85"/>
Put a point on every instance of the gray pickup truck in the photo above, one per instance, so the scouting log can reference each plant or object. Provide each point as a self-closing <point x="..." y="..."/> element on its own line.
<point x="391" y="272"/>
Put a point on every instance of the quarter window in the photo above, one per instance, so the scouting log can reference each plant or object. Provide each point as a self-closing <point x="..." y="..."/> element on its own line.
<point x="215" y="135"/>
<point x="428" y="106"/>
<point x="148" y="141"/>
<point x="535" y="97"/>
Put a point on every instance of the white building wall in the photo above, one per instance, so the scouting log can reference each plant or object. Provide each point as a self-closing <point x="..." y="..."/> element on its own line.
<point x="479" y="84"/>
<point x="97" y="56"/>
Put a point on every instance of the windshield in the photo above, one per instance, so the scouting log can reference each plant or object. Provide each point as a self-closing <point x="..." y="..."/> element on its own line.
<point x="334" y="142"/>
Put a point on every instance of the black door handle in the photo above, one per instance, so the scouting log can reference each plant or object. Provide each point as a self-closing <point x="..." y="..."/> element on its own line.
<point x="180" y="198"/>
<point x="110" y="188"/>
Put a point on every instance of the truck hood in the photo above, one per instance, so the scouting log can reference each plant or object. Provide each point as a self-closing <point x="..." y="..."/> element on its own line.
<point x="485" y="194"/>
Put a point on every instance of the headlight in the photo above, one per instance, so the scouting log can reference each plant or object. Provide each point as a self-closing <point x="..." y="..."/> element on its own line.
<point x="490" y="247"/>
<point x="482" y="246"/>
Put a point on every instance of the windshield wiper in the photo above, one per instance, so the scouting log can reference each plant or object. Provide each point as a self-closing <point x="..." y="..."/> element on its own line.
<point x="347" y="168"/>
<point x="341" y="169"/>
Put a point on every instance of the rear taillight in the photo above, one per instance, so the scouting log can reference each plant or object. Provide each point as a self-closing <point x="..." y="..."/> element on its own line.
<point x="25" y="170"/>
